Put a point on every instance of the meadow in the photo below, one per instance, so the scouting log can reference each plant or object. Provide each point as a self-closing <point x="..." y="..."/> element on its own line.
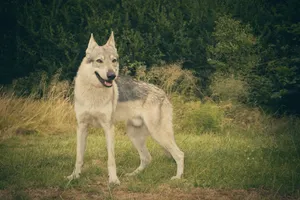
<point x="232" y="151"/>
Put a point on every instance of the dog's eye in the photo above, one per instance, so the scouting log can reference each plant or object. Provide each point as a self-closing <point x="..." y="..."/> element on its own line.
<point x="114" y="60"/>
<point x="99" y="61"/>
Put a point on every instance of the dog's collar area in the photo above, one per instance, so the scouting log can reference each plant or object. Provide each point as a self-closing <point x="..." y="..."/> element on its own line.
<point x="106" y="83"/>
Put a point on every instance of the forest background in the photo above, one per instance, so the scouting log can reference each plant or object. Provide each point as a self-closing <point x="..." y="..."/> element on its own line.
<point x="256" y="42"/>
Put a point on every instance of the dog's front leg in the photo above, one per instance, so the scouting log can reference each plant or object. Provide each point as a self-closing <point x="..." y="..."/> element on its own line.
<point x="111" y="163"/>
<point x="82" y="131"/>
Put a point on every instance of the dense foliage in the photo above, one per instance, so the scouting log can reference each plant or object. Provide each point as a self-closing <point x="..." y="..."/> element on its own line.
<point x="256" y="40"/>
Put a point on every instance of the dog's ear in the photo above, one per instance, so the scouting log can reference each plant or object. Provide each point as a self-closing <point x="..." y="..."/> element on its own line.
<point x="91" y="46"/>
<point x="111" y="40"/>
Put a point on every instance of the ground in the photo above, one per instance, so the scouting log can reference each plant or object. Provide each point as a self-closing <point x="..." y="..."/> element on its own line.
<point x="163" y="193"/>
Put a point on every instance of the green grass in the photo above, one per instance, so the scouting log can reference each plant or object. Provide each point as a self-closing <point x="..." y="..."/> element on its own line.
<point x="228" y="160"/>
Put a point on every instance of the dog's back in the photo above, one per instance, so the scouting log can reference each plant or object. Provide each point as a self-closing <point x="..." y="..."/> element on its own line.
<point x="135" y="98"/>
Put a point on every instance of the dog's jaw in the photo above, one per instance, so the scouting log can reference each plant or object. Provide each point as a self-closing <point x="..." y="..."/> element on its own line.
<point x="106" y="83"/>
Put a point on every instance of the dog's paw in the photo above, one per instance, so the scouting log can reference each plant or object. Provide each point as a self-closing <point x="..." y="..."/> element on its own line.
<point x="135" y="172"/>
<point x="130" y="174"/>
<point x="175" y="178"/>
<point x="114" y="181"/>
<point x="73" y="176"/>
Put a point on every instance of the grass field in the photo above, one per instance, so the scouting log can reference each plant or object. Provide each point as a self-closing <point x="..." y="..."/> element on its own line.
<point x="231" y="152"/>
<point x="222" y="161"/>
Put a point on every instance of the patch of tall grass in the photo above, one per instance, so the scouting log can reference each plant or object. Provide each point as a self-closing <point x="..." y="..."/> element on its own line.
<point x="47" y="114"/>
<point x="195" y="117"/>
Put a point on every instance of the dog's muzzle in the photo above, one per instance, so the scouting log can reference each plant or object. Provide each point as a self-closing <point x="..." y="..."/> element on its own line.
<point x="107" y="83"/>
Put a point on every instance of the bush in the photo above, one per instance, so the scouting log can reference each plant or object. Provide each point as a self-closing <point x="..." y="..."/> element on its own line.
<point x="234" y="50"/>
<point x="171" y="78"/>
<point x="229" y="88"/>
<point x="195" y="117"/>
<point x="40" y="85"/>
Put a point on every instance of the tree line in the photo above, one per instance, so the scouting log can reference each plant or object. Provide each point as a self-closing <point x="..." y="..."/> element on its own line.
<point x="258" y="40"/>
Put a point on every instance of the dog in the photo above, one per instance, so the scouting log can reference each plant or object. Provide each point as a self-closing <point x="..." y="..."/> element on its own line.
<point x="103" y="98"/>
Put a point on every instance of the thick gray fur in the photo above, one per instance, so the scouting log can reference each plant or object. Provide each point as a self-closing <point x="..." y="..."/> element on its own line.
<point x="131" y="90"/>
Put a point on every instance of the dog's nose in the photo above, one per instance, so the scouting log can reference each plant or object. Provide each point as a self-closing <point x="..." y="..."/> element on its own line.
<point x="111" y="75"/>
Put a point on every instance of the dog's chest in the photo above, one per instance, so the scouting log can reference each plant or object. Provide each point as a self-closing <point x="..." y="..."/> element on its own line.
<point x="96" y="119"/>
<point x="93" y="111"/>
<point x="94" y="116"/>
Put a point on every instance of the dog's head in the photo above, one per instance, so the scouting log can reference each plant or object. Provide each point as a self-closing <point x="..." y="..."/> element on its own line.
<point x="102" y="64"/>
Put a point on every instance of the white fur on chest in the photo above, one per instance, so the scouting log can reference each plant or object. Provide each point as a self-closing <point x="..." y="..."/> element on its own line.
<point x="94" y="105"/>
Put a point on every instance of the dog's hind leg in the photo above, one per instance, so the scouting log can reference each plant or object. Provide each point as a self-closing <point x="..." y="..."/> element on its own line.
<point x="161" y="129"/>
<point x="167" y="141"/>
<point x="138" y="136"/>
<point x="82" y="131"/>
<point x="169" y="144"/>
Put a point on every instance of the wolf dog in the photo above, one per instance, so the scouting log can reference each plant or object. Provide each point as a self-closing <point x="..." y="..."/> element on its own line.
<point x="102" y="98"/>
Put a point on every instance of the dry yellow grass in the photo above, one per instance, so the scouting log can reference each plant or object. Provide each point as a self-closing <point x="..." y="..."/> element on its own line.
<point x="26" y="115"/>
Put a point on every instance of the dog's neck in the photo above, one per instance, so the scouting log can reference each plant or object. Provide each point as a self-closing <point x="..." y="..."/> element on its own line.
<point x="87" y="92"/>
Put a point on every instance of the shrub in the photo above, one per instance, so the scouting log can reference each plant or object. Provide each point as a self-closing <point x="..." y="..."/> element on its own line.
<point x="229" y="88"/>
<point x="195" y="117"/>
<point x="234" y="50"/>
<point x="171" y="78"/>
<point x="40" y="85"/>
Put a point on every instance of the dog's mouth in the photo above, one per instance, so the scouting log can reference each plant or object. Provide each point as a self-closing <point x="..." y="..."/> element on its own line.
<point x="106" y="83"/>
